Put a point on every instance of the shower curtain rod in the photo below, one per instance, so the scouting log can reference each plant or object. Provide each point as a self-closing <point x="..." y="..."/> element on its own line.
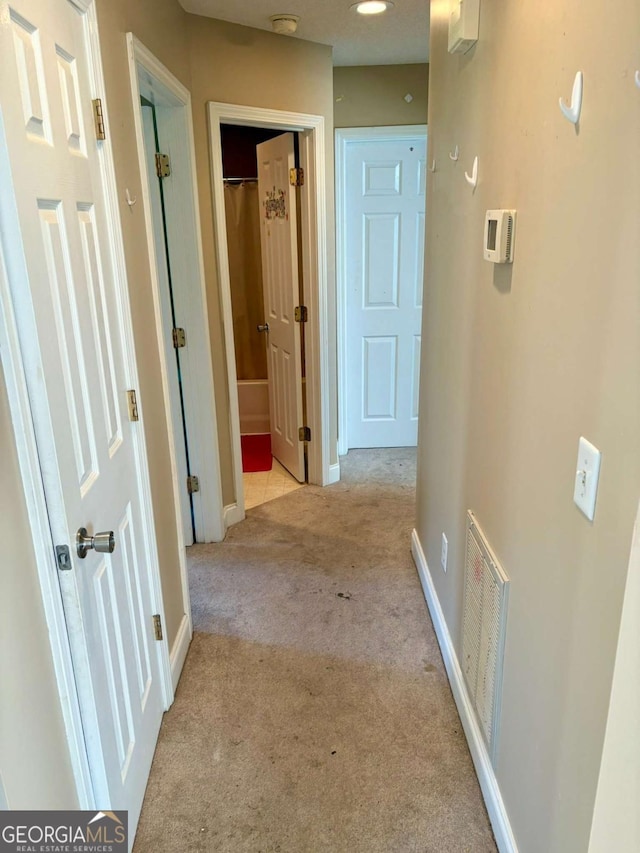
<point x="242" y="180"/>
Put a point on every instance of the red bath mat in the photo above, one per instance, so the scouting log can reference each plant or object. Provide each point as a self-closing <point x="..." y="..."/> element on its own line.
<point x="256" y="452"/>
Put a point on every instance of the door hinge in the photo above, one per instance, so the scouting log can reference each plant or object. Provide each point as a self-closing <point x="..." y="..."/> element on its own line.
<point x="98" y="118"/>
<point x="296" y="177"/>
<point x="304" y="434"/>
<point x="163" y="167"/>
<point x="193" y="484"/>
<point x="132" y="404"/>
<point x="300" y="314"/>
<point x="63" y="557"/>
<point x="157" y="626"/>
<point x="179" y="338"/>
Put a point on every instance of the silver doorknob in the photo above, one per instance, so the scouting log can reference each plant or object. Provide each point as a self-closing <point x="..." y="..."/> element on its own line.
<point x="263" y="327"/>
<point x="103" y="543"/>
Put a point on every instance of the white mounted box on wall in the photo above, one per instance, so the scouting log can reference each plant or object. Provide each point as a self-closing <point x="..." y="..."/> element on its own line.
<point x="499" y="236"/>
<point x="464" y="24"/>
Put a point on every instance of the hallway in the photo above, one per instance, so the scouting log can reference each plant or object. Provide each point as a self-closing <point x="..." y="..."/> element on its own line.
<point x="314" y="712"/>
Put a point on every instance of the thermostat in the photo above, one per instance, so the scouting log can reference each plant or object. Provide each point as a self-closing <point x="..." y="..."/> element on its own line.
<point x="499" y="234"/>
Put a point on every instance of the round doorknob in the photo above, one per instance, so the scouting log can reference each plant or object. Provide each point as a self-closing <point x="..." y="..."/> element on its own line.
<point x="103" y="543"/>
<point x="262" y="327"/>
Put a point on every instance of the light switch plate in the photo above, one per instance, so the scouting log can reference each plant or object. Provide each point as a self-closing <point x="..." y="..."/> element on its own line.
<point x="444" y="553"/>
<point x="587" y="474"/>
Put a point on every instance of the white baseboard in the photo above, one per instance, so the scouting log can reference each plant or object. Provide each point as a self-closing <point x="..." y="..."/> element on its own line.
<point x="232" y="515"/>
<point x="334" y="474"/>
<point x="484" y="769"/>
<point x="178" y="653"/>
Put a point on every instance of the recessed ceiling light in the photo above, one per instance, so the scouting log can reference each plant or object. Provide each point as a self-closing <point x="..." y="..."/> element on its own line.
<point x="372" y="7"/>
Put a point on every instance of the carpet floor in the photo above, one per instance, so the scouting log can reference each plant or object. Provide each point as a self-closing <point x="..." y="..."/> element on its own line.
<point x="314" y="712"/>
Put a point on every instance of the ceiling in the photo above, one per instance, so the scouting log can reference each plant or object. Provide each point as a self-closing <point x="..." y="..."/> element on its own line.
<point x="400" y="35"/>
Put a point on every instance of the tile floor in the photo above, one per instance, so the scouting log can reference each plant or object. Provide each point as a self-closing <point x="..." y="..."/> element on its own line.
<point x="263" y="486"/>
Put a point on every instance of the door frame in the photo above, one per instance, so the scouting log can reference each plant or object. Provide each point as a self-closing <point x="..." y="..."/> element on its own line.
<point x="21" y="366"/>
<point x="149" y="76"/>
<point x="344" y="137"/>
<point x="313" y="215"/>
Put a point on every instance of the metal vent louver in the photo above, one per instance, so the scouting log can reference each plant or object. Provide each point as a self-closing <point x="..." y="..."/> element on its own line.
<point x="483" y="630"/>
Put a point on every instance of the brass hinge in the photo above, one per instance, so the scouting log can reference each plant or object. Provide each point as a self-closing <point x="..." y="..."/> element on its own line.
<point x="193" y="484"/>
<point x="296" y="177"/>
<point x="163" y="167"/>
<point x="132" y="405"/>
<point x="98" y="118"/>
<point x="157" y="626"/>
<point x="304" y="434"/>
<point x="300" y="314"/>
<point x="179" y="338"/>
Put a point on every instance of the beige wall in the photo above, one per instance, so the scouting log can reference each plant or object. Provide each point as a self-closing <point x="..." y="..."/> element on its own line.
<point x="616" y="824"/>
<point x="240" y="65"/>
<point x="518" y="362"/>
<point x="373" y="95"/>
<point x="34" y="762"/>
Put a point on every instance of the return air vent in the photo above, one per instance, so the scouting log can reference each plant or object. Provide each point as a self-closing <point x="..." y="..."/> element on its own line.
<point x="484" y="620"/>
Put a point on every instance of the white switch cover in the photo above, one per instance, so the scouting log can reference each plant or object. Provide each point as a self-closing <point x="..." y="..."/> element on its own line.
<point x="587" y="473"/>
<point x="444" y="553"/>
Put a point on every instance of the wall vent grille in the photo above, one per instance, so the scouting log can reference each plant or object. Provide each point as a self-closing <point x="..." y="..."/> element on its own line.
<point x="484" y="621"/>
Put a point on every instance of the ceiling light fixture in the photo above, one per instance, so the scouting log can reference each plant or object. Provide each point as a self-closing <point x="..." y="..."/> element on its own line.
<point x="284" y="25"/>
<point x="372" y="7"/>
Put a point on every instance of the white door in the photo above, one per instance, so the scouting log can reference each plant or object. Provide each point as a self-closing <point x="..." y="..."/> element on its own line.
<point x="279" y="236"/>
<point x="73" y="317"/>
<point x="384" y="246"/>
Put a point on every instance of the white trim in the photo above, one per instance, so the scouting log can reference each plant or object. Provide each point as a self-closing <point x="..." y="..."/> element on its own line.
<point x="191" y="300"/>
<point x="179" y="649"/>
<point x="486" y="777"/>
<point x="334" y="473"/>
<point x="315" y="275"/>
<point x="232" y="515"/>
<point x="345" y="135"/>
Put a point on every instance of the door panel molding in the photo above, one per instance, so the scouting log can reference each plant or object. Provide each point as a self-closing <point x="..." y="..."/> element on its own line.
<point x="345" y="136"/>
<point x="313" y="208"/>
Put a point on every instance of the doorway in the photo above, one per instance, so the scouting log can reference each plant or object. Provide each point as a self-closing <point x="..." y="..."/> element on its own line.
<point x="380" y="192"/>
<point x="267" y="468"/>
<point x="314" y="230"/>
<point x="162" y="112"/>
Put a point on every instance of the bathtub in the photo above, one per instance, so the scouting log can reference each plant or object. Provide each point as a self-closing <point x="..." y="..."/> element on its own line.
<point x="253" y="402"/>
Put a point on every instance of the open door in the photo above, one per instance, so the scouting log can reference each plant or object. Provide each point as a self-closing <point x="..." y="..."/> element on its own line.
<point x="279" y="236"/>
<point x="60" y="241"/>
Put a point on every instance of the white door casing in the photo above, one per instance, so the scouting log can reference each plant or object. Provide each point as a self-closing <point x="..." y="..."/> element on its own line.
<point x="279" y="239"/>
<point x="172" y="101"/>
<point x="67" y="282"/>
<point x="381" y="223"/>
<point x="313" y="216"/>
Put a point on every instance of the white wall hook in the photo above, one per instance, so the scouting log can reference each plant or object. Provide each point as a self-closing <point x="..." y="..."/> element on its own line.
<point x="130" y="201"/>
<point x="432" y="167"/>
<point x="572" y="113"/>
<point x="472" y="179"/>
<point x="453" y="155"/>
<point x="637" y="76"/>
